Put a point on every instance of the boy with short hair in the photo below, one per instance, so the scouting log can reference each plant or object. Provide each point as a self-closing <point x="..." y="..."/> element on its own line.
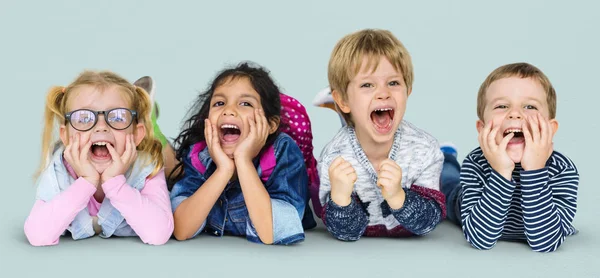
<point x="379" y="174"/>
<point x="515" y="186"/>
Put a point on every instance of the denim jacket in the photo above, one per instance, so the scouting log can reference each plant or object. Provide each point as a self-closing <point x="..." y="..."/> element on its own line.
<point x="287" y="186"/>
<point x="56" y="179"/>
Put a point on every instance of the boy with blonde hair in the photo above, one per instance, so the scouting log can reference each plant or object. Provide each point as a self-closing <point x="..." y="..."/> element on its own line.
<point x="379" y="174"/>
<point x="514" y="186"/>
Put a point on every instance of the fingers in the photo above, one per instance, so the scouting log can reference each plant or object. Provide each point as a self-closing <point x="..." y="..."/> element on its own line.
<point x="544" y="129"/>
<point x="505" y="141"/>
<point x="85" y="150"/>
<point x="113" y="153"/>
<point x="336" y="162"/>
<point x="526" y="133"/>
<point x="207" y="132"/>
<point x="265" y="124"/>
<point x="483" y="137"/>
<point x="75" y="147"/>
<point x="251" y="123"/>
<point x="258" y="122"/>
<point x="128" y="149"/>
<point x="535" y="127"/>
<point x="492" y="138"/>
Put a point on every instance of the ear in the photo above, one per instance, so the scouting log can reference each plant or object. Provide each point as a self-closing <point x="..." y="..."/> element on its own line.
<point x="479" y="125"/>
<point x="409" y="91"/>
<point x="64" y="135"/>
<point x="554" y="126"/>
<point x="339" y="100"/>
<point x="139" y="133"/>
<point x="273" y="124"/>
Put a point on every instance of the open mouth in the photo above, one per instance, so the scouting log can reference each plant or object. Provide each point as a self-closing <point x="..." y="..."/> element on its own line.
<point x="100" y="151"/>
<point x="230" y="133"/>
<point x="382" y="118"/>
<point x="518" y="135"/>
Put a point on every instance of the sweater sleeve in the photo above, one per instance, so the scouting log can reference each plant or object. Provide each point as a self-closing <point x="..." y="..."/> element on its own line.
<point x="549" y="205"/>
<point x="148" y="211"/>
<point x="48" y="220"/>
<point x="345" y="223"/>
<point x="485" y="204"/>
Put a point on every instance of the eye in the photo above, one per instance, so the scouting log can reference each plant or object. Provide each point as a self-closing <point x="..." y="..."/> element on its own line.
<point x="218" y="103"/>
<point x="501" y="106"/>
<point x="394" y="83"/>
<point x="245" y="103"/>
<point x="366" y="85"/>
<point x="85" y="120"/>
<point x="116" y="119"/>
<point x="529" y="107"/>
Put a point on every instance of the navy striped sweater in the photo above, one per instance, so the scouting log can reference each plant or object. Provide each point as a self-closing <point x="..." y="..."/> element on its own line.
<point x="537" y="206"/>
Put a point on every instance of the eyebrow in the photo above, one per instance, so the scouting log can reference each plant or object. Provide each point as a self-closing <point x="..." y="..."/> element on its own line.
<point x="243" y="95"/>
<point x="527" y="99"/>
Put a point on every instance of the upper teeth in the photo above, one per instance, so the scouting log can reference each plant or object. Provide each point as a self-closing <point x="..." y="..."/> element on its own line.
<point x="512" y="130"/>
<point x="383" y="109"/>
<point x="230" y="126"/>
<point x="100" y="143"/>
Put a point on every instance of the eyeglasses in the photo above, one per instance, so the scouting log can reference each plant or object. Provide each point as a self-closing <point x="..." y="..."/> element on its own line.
<point x="85" y="119"/>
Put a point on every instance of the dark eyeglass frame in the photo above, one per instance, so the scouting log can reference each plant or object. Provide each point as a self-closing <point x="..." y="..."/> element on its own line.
<point x="104" y="113"/>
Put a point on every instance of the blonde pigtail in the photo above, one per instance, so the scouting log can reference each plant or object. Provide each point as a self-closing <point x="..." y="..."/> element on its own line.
<point x="52" y="117"/>
<point x="149" y="144"/>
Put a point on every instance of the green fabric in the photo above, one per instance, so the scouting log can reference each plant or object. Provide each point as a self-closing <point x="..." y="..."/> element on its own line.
<point x="157" y="133"/>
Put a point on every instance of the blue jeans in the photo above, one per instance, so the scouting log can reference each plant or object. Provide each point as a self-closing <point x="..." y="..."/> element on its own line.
<point x="450" y="186"/>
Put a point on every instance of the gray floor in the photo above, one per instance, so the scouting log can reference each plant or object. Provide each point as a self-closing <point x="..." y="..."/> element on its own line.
<point x="443" y="253"/>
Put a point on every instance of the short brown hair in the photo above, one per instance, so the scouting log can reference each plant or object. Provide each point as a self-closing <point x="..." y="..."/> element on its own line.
<point x="521" y="70"/>
<point x="347" y="55"/>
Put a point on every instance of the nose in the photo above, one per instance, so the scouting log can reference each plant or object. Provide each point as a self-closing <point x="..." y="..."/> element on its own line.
<point x="101" y="125"/>
<point x="229" y="111"/>
<point x="515" y="114"/>
<point x="383" y="93"/>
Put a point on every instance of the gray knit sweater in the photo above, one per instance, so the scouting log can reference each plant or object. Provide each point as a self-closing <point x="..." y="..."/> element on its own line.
<point x="420" y="158"/>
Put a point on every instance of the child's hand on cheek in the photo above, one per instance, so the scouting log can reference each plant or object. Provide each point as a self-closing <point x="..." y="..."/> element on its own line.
<point x="496" y="154"/>
<point x="538" y="142"/>
<point x="223" y="162"/>
<point x="79" y="160"/>
<point x="255" y="141"/>
<point x="390" y="181"/>
<point x="120" y="163"/>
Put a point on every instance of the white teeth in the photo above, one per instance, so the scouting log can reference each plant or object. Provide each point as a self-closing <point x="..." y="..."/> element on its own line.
<point x="512" y="130"/>
<point x="100" y="144"/>
<point x="230" y="126"/>
<point x="383" y="109"/>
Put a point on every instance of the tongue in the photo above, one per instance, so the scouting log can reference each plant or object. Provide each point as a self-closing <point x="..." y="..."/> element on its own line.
<point x="230" y="137"/>
<point x="516" y="140"/>
<point x="100" y="151"/>
<point x="381" y="119"/>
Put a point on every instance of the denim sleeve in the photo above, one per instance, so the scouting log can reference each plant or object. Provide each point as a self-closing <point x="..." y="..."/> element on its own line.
<point x="287" y="187"/>
<point x="345" y="223"/>
<point x="287" y="226"/>
<point x="186" y="187"/>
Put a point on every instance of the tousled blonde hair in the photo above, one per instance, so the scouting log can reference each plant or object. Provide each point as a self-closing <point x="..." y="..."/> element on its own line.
<point x="346" y="59"/>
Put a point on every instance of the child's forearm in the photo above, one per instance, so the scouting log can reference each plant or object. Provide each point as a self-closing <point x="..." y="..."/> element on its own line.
<point x="547" y="218"/>
<point x="484" y="209"/>
<point x="257" y="199"/>
<point x="148" y="211"/>
<point x="418" y="215"/>
<point x="48" y="220"/>
<point x="345" y="223"/>
<point x="191" y="214"/>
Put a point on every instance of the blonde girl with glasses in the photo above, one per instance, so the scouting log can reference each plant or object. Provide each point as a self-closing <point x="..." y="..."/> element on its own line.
<point x="105" y="175"/>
